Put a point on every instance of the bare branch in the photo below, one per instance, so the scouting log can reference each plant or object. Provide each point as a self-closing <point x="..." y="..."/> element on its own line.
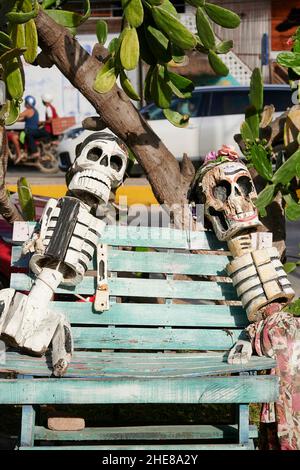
<point x="119" y="114"/>
<point x="7" y="209"/>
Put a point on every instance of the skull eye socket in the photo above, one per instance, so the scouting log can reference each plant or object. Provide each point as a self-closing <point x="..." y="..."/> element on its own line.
<point x="222" y="190"/>
<point x="116" y="162"/>
<point x="245" y="185"/>
<point x="94" y="154"/>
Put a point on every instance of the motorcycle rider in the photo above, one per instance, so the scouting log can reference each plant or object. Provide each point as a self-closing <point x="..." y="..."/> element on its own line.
<point x="31" y="118"/>
<point x="50" y="112"/>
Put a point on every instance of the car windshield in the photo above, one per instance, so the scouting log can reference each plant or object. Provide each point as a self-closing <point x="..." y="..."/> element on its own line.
<point x="220" y="102"/>
<point x="188" y="106"/>
<point x="235" y="102"/>
<point x="281" y="99"/>
<point x="73" y="133"/>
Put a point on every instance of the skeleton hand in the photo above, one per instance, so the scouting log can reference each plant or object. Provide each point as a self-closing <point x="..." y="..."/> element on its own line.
<point x="62" y="347"/>
<point x="33" y="245"/>
<point x="26" y="322"/>
<point x="240" y="353"/>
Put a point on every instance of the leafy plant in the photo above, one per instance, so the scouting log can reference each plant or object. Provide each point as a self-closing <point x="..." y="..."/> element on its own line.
<point x="293" y="308"/>
<point x="151" y="30"/>
<point x="18" y="38"/>
<point x="291" y="59"/>
<point x="260" y="154"/>
<point x="26" y="199"/>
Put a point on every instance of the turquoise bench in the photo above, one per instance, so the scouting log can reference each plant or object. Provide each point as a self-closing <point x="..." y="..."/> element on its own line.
<point x="173" y="351"/>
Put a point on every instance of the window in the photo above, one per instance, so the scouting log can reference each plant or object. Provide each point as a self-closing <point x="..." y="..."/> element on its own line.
<point x="281" y="99"/>
<point x="153" y="113"/>
<point x="236" y="101"/>
<point x="227" y="102"/>
<point x="191" y="106"/>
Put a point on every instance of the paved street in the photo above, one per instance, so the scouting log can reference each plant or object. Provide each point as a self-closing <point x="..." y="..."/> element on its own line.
<point x="137" y="190"/>
<point x="35" y="177"/>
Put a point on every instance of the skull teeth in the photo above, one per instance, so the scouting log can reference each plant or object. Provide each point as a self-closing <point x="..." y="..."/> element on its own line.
<point x="92" y="182"/>
<point x="93" y="175"/>
<point x="243" y="216"/>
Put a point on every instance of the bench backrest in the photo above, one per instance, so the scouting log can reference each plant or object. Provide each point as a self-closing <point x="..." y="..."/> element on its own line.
<point x="164" y="299"/>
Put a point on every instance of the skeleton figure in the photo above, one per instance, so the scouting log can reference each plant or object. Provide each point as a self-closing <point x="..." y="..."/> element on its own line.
<point x="226" y="188"/>
<point x="63" y="247"/>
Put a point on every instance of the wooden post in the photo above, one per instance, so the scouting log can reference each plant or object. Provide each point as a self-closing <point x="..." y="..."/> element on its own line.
<point x="27" y="422"/>
<point x="243" y="424"/>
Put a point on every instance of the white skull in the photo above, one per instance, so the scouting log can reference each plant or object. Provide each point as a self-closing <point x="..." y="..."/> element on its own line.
<point x="229" y="195"/>
<point x="100" y="165"/>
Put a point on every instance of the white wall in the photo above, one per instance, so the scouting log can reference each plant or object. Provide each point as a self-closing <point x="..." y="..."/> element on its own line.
<point x="67" y="100"/>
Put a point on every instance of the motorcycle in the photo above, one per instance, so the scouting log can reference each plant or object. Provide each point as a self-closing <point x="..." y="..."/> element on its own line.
<point x="46" y="162"/>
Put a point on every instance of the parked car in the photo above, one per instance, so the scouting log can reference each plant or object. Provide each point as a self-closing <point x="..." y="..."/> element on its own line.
<point x="67" y="146"/>
<point x="216" y="114"/>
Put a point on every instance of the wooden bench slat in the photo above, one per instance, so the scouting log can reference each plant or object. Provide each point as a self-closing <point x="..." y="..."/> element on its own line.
<point x="203" y="431"/>
<point x="153" y="360"/>
<point x="138" y="357"/>
<point x="134" y="371"/>
<point x="187" y="447"/>
<point x="103" y="365"/>
<point x="151" y="262"/>
<point x="173" y="289"/>
<point x="17" y="260"/>
<point x="160" y="237"/>
<point x="154" y="338"/>
<point x="154" y="314"/>
<point x="131" y="287"/>
<point x="241" y="389"/>
<point x="170" y="263"/>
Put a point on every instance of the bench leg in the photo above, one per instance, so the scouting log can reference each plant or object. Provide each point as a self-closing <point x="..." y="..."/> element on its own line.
<point x="27" y="423"/>
<point x="243" y="422"/>
<point x="27" y="426"/>
<point x="251" y="445"/>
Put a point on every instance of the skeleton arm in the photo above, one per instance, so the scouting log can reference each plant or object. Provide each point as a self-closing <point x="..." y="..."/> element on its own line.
<point x="62" y="347"/>
<point x="256" y="270"/>
<point x="35" y="243"/>
<point x="29" y="322"/>
<point x="260" y="281"/>
<point x="62" y="249"/>
<point x="241" y="352"/>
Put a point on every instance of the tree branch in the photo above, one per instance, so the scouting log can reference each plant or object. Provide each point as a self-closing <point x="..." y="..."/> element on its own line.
<point x="118" y="113"/>
<point x="7" y="209"/>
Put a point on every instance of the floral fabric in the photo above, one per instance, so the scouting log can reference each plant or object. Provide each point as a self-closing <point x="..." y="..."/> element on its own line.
<point x="278" y="336"/>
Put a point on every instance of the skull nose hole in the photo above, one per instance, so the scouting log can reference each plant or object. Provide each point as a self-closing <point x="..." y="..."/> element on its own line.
<point x="94" y="154"/>
<point x="104" y="161"/>
<point x="116" y="162"/>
